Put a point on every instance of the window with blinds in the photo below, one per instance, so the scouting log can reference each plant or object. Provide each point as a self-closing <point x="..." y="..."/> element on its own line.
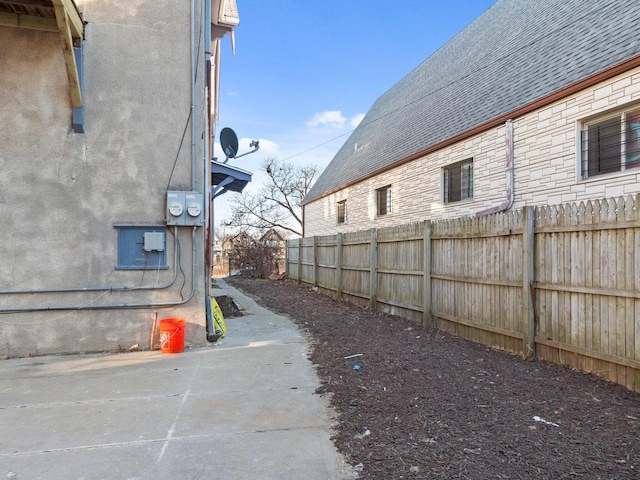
<point x="610" y="144"/>
<point x="458" y="181"/>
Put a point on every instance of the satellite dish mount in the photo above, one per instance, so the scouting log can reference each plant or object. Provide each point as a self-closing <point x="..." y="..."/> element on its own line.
<point x="229" y="143"/>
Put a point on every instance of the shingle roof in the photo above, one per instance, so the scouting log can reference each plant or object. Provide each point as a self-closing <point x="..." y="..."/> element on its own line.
<point x="517" y="52"/>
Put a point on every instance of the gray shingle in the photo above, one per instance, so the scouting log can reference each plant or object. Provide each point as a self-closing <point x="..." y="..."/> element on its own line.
<point x="517" y="52"/>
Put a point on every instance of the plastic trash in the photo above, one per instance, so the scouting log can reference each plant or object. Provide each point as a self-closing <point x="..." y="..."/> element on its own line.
<point x="357" y="367"/>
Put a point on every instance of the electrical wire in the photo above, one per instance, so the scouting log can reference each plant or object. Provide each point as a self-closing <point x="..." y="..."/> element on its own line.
<point x="175" y="162"/>
<point x="453" y="82"/>
<point x="186" y="126"/>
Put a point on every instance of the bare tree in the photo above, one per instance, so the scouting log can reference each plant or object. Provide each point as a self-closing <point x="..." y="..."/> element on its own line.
<point x="277" y="203"/>
<point x="251" y="256"/>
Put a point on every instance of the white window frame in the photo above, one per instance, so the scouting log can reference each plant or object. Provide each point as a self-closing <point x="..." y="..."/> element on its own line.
<point x="625" y="142"/>
<point x="445" y="176"/>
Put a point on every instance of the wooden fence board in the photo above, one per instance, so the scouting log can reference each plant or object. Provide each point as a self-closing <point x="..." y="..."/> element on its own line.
<point x="469" y="276"/>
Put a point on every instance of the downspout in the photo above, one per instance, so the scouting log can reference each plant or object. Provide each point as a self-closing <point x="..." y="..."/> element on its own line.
<point x="209" y="232"/>
<point x="508" y="203"/>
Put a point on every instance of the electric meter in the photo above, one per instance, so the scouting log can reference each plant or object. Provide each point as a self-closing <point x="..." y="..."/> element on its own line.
<point x="194" y="209"/>
<point x="175" y="209"/>
<point x="185" y="208"/>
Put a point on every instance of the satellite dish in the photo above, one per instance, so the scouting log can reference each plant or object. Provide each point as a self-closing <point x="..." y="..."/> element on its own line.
<point x="229" y="143"/>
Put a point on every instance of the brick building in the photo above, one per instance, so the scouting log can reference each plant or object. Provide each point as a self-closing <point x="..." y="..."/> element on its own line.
<point x="533" y="103"/>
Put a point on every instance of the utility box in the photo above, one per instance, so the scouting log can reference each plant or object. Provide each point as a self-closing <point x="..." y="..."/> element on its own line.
<point x="185" y="208"/>
<point x="153" y="242"/>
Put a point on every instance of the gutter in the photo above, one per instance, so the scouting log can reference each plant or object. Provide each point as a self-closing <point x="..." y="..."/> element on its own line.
<point x="528" y="108"/>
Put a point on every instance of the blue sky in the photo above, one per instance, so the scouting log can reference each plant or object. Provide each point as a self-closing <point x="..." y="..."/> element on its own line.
<point x="305" y="71"/>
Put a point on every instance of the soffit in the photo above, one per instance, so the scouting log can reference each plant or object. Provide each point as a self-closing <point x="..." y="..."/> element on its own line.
<point x="60" y="16"/>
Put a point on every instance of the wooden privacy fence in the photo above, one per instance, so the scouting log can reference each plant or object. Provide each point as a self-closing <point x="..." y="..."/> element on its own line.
<point x="561" y="283"/>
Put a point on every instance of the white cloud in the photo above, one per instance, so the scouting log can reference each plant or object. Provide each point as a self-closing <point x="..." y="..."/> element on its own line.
<point x="267" y="148"/>
<point x="356" y="119"/>
<point x="328" y="118"/>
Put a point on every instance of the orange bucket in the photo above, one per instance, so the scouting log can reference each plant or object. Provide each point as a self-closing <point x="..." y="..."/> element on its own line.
<point x="172" y="335"/>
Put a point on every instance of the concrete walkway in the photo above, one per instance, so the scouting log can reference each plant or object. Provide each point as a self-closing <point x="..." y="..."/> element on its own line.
<point x="242" y="409"/>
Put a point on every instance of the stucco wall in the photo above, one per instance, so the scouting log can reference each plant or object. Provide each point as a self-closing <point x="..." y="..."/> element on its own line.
<point x="546" y="169"/>
<point x="61" y="193"/>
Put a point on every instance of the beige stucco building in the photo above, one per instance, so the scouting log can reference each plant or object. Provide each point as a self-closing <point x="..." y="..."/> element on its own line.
<point x="108" y="113"/>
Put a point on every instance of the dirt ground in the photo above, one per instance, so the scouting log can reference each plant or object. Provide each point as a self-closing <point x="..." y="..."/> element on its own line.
<point x="416" y="403"/>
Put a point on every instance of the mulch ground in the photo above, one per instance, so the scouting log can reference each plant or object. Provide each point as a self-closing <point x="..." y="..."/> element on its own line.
<point x="421" y="404"/>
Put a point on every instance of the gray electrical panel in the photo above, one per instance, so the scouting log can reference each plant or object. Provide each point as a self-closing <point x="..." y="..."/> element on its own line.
<point x="185" y="208"/>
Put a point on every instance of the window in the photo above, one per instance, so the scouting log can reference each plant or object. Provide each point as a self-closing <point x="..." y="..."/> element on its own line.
<point x="342" y="211"/>
<point x="610" y="144"/>
<point x="458" y="181"/>
<point x="383" y="200"/>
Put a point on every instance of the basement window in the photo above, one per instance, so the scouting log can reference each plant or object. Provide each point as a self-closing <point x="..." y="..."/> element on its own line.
<point x="610" y="143"/>
<point x="458" y="181"/>
<point x="383" y="200"/>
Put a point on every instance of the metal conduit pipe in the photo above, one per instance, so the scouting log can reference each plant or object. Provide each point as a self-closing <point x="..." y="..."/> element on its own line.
<point x="193" y="96"/>
<point x="127" y="288"/>
<point x="120" y="288"/>
<point x="120" y="305"/>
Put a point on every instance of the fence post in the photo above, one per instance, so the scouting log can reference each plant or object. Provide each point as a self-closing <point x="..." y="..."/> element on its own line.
<point x="315" y="261"/>
<point x="373" y="276"/>
<point x="299" y="260"/>
<point x="528" y="277"/>
<point x="339" y="268"/>
<point x="286" y="259"/>
<point x="427" y="319"/>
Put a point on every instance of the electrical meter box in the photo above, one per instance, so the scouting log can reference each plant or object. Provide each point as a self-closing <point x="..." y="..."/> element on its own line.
<point x="185" y="208"/>
<point x="195" y="208"/>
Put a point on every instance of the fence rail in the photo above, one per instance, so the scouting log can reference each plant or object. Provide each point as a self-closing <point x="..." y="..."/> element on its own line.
<point x="561" y="283"/>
